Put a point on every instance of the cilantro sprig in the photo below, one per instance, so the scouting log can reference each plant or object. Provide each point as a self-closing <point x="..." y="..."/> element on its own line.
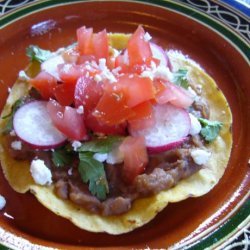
<point x="62" y="157"/>
<point x="37" y="54"/>
<point x="210" y="129"/>
<point x="101" y="145"/>
<point x="180" y="78"/>
<point x="93" y="173"/>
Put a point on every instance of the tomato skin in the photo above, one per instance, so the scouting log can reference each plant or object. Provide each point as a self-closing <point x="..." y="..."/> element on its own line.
<point x="84" y="39"/>
<point x="142" y="111"/>
<point x="87" y="93"/>
<point x="135" y="157"/>
<point x="176" y="95"/>
<point x="96" y="126"/>
<point x="45" y="84"/>
<point x="112" y="109"/>
<point x="67" y="120"/>
<point x="64" y="93"/>
<point x="139" y="50"/>
<point x="100" y="44"/>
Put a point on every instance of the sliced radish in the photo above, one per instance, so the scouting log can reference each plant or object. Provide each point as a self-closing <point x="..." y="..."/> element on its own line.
<point x="34" y="126"/>
<point x="51" y="66"/>
<point x="160" y="54"/>
<point x="172" y="125"/>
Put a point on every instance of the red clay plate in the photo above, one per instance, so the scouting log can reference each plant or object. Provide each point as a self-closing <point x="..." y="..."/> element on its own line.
<point x="221" y="53"/>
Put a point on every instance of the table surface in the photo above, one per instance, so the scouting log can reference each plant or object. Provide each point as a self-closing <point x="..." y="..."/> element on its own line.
<point x="241" y="9"/>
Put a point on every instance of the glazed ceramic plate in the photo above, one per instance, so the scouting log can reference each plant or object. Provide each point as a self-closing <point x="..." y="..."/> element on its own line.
<point x="210" y="220"/>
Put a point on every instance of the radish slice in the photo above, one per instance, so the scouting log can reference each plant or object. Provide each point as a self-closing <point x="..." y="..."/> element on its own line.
<point x="160" y="54"/>
<point x="172" y="125"/>
<point x="34" y="126"/>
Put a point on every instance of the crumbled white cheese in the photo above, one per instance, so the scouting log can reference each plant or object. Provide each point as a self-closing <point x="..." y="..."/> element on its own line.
<point x="97" y="78"/>
<point x="12" y="133"/>
<point x="40" y="172"/>
<point x="115" y="156"/>
<point x="200" y="156"/>
<point x="23" y="76"/>
<point x="116" y="70"/>
<point x="147" y="37"/>
<point x="16" y="145"/>
<point x="101" y="157"/>
<point x="163" y="72"/>
<point x="195" y="125"/>
<point x="51" y="66"/>
<point x="80" y="110"/>
<point x="76" y="145"/>
<point x="2" y="202"/>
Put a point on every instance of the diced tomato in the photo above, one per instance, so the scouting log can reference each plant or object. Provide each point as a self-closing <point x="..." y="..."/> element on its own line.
<point x="44" y="83"/>
<point x="175" y="95"/>
<point x="96" y="126"/>
<point x="69" y="73"/>
<point x="100" y="44"/>
<point x="64" y="93"/>
<point x="122" y="61"/>
<point x="112" y="109"/>
<point x="87" y="93"/>
<point x="67" y="120"/>
<point x="135" y="157"/>
<point x="92" y="44"/>
<point x="84" y="39"/>
<point x="142" y="111"/>
<point x="136" y="89"/>
<point x="139" y="50"/>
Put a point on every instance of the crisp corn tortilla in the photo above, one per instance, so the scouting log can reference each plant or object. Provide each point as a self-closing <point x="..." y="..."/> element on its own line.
<point x="143" y="210"/>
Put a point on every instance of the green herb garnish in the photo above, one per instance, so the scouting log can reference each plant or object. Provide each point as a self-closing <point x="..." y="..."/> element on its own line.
<point x="180" y="78"/>
<point x="210" y="129"/>
<point x="102" y="145"/>
<point x="62" y="157"/>
<point x="92" y="172"/>
<point x="37" y="54"/>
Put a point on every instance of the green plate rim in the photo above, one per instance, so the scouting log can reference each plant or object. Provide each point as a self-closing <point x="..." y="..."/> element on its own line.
<point x="231" y="225"/>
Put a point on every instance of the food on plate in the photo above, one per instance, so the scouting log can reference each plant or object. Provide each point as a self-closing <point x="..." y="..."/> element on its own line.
<point x="109" y="130"/>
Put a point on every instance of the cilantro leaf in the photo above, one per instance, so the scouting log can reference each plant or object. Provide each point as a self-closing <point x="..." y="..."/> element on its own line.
<point x="92" y="172"/>
<point x="37" y="54"/>
<point x="9" y="125"/>
<point x="62" y="157"/>
<point x="102" y="145"/>
<point x="180" y="78"/>
<point x="210" y="129"/>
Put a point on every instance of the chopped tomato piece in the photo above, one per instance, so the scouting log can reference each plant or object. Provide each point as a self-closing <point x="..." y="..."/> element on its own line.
<point x="69" y="73"/>
<point x="67" y="120"/>
<point x="143" y="110"/>
<point x="139" y="50"/>
<point x="112" y="109"/>
<point x="44" y="83"/>
<point x="87" y="93"/>
<point x="84" y="39"/>
<point x="122" y="62"/>
<point x="135" y="157"/>
<point x="96" y="126"/>
<point x="100" y="44"/>
<point x="175" y="95"/>
<point x="64" y="93"/>
<point x="136" y="89"/>
<point x="86" y="58"/>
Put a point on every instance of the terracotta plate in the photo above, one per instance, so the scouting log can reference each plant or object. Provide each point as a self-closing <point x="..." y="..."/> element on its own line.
<point x="201" y="222"/>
